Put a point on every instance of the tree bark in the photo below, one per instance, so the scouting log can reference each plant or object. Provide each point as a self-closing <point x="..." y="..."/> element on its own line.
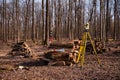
<point x="47" y="25"/>
<point x="33" y="22"/>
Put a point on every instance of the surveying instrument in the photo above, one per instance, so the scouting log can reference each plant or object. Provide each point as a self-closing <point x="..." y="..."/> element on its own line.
<point x="83" y="44"/>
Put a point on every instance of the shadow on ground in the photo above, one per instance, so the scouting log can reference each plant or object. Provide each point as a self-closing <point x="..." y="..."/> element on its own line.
<point x="34" y="63"/>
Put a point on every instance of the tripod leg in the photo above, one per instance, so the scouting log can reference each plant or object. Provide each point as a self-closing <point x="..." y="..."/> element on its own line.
<point x="83" y="50"/>
<point x="93" y="46"/>
<point x="78" y="59"/>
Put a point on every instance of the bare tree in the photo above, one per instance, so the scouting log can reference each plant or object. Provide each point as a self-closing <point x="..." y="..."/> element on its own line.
<point x="33" y="23"/>
<point x="107" y="19"/>
<point x="116" y="20"/>
<point x="26" y="19"/>
<point x="102" y="21"/>
<point x="17" y="20"/>
<point x="43" y="31"/>
<point x="47" y="24"/>
<point x="3" y="21"/>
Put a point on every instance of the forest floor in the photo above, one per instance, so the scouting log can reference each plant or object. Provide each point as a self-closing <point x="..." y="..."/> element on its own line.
<point x="109" y="69"/>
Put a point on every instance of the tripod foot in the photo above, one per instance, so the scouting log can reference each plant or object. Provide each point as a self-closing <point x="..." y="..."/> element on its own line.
<point x="100" y="65"/>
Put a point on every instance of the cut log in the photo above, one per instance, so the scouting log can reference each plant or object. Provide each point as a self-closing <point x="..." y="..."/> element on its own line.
<point x="61" y="45"/>
<point x="57" y="63"/>
<point x="99" y="47"/>
<point x="57" y="56"/>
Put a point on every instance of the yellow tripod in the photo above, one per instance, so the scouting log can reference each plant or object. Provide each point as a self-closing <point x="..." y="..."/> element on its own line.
<point x="81" y="53"/>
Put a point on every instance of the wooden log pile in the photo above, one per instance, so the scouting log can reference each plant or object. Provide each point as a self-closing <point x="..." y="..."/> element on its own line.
<point x="63" y="58"/>
<point x="98" y="46"/>
<point x="89" y="48"/>
<point x="21" y="49"/>
<point x="57" y="58"/>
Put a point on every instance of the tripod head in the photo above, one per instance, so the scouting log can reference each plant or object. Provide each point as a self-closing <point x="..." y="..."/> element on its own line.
<point x="86" y="27"/>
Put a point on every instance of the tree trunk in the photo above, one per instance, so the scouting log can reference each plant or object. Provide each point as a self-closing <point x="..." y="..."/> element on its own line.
<point x="47" y="25"/>
<point x="17" y="21"/>
<point x="43" y="31"/>
<point x="33" y="22"/>
<point x="107" y="20"/>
